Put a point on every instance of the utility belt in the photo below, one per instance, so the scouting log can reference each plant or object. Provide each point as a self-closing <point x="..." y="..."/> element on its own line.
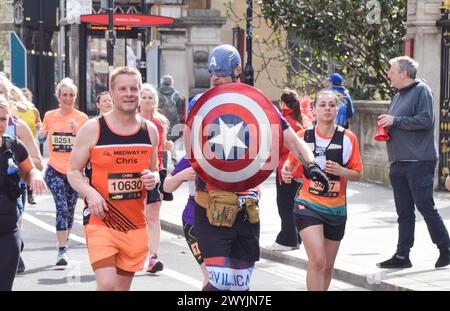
<point x="222" y="207"/>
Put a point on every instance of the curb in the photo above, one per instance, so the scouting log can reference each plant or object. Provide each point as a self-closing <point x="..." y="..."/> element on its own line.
<point x="365" y="281"/>
<point x="171" y="227"/>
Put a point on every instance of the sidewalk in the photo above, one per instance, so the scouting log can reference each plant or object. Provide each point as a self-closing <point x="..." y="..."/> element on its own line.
<point x="371" y="237"/>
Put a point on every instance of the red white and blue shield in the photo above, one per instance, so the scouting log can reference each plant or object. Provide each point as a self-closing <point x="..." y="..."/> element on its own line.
<point x="233" y="137"/>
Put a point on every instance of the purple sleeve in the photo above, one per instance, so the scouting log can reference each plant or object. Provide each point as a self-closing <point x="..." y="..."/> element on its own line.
<point x="182" y="165"/>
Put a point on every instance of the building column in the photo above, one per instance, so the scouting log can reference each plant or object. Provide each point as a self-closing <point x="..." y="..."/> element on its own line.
<point x="421" y="26"/>
<point x="185" y="47"/>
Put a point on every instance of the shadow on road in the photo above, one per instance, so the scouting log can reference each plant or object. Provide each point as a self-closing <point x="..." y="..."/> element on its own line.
<point x="65" y="280"/>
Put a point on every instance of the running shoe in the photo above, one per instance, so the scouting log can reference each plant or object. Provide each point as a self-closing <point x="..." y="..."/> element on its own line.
<point x="280" y="248"/>
<point x="62" y="259"/>
<point x="31" y="200"/>
<point x="154" y="265"/>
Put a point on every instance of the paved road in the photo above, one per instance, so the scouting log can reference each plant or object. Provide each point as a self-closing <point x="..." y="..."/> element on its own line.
<point x="181" y="272"/>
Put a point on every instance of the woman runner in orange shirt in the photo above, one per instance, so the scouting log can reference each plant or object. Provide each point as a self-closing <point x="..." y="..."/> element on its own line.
<point x="60" y="126"/>
<point x="321" y="216"/>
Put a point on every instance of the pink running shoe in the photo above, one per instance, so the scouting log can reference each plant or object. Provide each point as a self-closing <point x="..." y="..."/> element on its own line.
<point x="154" y="265"/>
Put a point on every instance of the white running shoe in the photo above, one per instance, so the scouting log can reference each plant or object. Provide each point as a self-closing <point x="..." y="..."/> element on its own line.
<point x="280" y="248"/>
<point x="62" y="258"/>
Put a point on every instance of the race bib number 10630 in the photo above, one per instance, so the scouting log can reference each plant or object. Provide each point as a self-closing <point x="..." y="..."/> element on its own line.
<point x="124" y="186"/>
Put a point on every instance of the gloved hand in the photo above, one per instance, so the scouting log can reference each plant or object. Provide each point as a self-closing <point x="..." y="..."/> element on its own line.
<point x="314" y="173"/>
<point x="153" y="195"/>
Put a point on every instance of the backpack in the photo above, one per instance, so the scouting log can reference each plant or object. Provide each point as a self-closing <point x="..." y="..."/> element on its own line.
<point x="168" y="107"/>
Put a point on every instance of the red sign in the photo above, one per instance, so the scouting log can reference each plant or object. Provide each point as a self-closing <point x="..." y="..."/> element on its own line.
<point x="127" y="19"/>
<point x="101" y="27"/>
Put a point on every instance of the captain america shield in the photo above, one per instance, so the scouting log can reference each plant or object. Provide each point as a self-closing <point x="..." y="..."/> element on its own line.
<point x="233" y="137"/>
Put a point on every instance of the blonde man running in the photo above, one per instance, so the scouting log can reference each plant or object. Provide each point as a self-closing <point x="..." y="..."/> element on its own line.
<point x="121" y="149"/>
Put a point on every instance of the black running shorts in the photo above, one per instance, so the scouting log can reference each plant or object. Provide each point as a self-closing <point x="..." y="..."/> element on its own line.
<point x="239" y="242"/>
<point x="333" y="229"/>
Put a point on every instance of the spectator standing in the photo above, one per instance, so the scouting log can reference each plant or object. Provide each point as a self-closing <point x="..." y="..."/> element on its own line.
<point x="170" y="105"/>
<point x="288" y="238"/>
<point x="412" y="152"/>
<point x="346" y="110"/>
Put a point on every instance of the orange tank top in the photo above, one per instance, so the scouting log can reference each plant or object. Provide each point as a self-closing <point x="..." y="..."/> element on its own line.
<point x="116" y="163"/>
<point x="61" y="137"/>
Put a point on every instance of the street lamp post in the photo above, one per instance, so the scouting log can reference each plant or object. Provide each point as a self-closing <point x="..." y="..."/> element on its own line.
<point x="62" y="39"/>
<point x="143" y="60"/>
<point x="111" y="41"/>
<point x="248" y="71"/>
<point x="41" y="85"/>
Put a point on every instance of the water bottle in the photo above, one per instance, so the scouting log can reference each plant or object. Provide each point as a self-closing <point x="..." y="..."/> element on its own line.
<point x="12" y="167"/>
<point x="12" y="180"/>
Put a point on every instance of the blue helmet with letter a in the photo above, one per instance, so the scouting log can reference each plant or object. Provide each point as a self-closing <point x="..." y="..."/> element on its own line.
<point x="222" y="61"/>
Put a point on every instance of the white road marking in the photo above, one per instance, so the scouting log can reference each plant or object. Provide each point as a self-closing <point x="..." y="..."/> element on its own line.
<point x="182" y="278"/>
<point x="289" y="273"/>
<point x="77" y="218"/>
<point x="47" y="227"/>
<point x="169" y="272"/>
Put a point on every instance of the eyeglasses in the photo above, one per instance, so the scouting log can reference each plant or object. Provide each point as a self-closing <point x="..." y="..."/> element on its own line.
<point x="218" y="73"/>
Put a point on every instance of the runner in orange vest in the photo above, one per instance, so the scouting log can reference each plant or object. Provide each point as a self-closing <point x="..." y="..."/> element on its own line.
<point x="123" y="159"/>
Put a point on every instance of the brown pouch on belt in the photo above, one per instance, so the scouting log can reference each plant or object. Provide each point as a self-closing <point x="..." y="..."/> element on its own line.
<point x="223" y="208"/>
<point x="252" y="209"/>
<point x="202" y="199"/>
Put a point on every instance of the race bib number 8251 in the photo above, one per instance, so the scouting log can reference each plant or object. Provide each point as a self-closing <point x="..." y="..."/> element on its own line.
<point x="62" y="142"/>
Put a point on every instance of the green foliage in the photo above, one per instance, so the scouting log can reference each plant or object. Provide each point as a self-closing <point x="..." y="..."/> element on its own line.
<point x="359" y="36"/>
<point x="4" y="49"/>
